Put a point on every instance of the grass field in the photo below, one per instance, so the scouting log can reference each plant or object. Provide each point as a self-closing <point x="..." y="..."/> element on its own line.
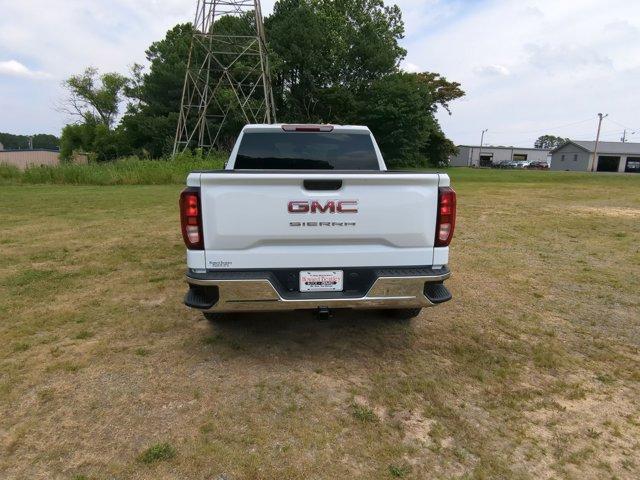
<point x="532" y="371"/>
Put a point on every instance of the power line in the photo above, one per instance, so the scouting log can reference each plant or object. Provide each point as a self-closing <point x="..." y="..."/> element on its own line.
<point x="603" y="132"/>
<point x="546" y="129"/>
<point x="623" y="126"/>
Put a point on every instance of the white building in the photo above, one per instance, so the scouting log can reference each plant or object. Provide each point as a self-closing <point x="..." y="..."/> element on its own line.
<point x="474" y="156"/>
<point x="577" y="155"/>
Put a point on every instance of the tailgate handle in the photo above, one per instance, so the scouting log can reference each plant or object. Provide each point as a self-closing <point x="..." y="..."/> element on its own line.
<point x="322" y="185"/>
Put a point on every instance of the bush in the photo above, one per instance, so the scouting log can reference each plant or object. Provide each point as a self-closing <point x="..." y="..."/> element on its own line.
<point x="9" y="173"/>
<point x="158" y="452"/>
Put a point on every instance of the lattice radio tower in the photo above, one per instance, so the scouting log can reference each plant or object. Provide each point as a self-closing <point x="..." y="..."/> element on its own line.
<point x="227" y="74"/>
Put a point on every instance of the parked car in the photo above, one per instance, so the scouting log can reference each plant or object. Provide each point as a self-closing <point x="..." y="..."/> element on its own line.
<point x="308" y="217"/>
<point x="509" y="164"/>
<point x="502" y="164"/>
<point x="538" y="166"/>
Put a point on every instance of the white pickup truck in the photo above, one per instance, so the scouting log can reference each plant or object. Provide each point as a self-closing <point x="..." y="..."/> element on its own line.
<point x="308" y="217"/>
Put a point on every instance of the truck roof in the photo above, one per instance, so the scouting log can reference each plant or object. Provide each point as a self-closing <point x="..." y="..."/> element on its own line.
<point x="279" y="127"/>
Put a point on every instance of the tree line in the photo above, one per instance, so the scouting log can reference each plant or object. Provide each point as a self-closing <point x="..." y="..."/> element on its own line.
<point x="21" y="142"/>
<point x="332" y="62"/>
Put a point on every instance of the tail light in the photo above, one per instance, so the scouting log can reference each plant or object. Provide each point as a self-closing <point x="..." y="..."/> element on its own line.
<point x="191" y="218"/>
<point x="446" y="222"/>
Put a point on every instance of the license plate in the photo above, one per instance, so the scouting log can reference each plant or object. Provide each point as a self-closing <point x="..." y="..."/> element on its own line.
<point x="321" y="281"/>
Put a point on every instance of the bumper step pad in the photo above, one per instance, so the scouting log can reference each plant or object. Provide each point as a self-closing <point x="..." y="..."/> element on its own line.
<point x="437" y="293"/>
<point x="201" y="297"/>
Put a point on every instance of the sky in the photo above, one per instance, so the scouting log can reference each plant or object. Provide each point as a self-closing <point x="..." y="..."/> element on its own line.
<point x="528" y="67"/>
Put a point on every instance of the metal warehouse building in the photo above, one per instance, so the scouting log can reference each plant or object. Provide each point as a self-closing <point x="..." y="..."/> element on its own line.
<point x="474" y="156"/>
<point x="576" y="155"/>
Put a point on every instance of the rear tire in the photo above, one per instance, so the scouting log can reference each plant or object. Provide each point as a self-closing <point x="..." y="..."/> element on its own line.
<point x="215" y="317"/>
<point x="404" y="313"/>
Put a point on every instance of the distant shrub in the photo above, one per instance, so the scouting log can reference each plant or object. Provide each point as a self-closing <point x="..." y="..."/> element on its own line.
<point x="399" y="471"/>
<point x="9" y="173"/>
<point x="363" y="413"/>
<point x="158" y="452"/>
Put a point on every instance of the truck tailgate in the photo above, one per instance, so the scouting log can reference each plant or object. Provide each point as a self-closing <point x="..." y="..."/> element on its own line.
<point x="254" y="220"/>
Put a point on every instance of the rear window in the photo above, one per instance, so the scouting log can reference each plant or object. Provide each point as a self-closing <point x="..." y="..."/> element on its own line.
<point x="306" y="151"/>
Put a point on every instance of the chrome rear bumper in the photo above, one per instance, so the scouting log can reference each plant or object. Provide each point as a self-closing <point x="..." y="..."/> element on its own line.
<point x="260" y="294"/>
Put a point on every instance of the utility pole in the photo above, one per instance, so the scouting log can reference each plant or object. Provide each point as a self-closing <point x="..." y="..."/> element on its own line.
<point x="481" y="143"/>
<point x="624" y="135"/>
<point x="594" y="164"/>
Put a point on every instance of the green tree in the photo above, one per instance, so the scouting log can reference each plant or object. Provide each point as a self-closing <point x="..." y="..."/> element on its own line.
<point x="155" y="96"/>
<point x="93" y="138"/>
<point x="337" y="62"/>
<point x="46" y="141"/>
<point x="76" y="136"/>
<point x="399" y="109"/>
<point x="152" y="115"/>
<point x="550" y="142"/>
<point x="327" y="44"/>
<point x="442" y="90"/>
<point x="95" y="97"/>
